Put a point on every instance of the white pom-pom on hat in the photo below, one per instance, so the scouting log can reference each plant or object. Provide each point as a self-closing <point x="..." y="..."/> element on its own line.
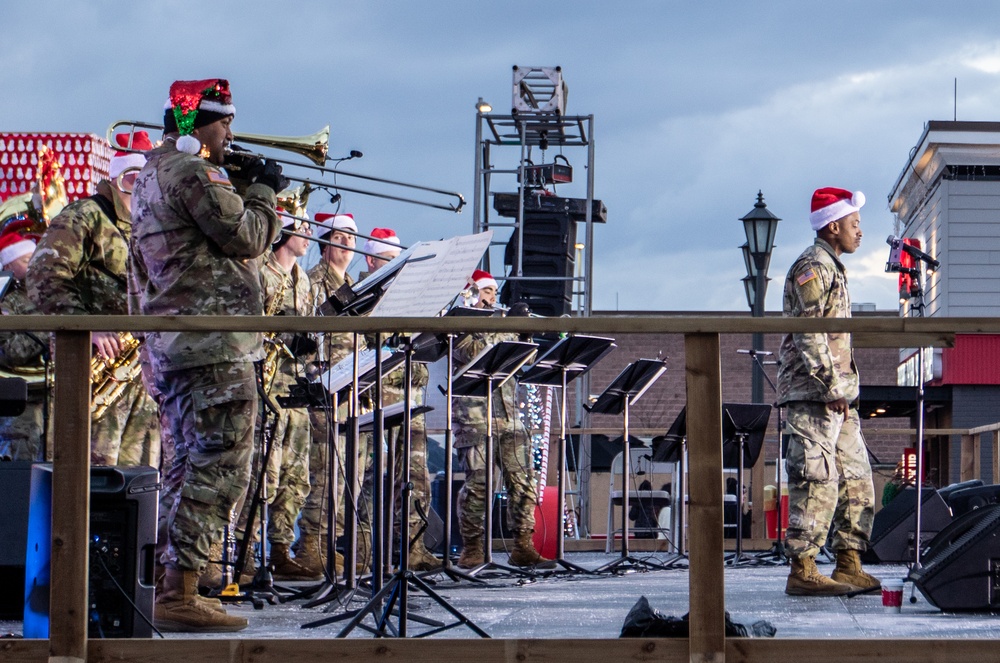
<point x="189" y="144"/>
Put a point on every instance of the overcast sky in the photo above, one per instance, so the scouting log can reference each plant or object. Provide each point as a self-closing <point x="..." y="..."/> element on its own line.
<point x="697" y="106"/>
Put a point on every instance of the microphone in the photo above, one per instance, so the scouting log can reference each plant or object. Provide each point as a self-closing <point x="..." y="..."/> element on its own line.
<point x="356" y="154"/>
<point x="763" y="353"/>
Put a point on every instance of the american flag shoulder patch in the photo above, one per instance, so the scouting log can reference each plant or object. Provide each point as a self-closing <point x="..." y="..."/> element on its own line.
<point x="806" y="277"/>
<point x="218" y="177"/>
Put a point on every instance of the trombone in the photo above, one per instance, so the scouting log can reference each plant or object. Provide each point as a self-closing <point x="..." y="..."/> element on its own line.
<point x="314" y="147"/>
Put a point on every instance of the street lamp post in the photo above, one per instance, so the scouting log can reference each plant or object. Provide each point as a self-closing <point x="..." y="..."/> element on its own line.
<point x="760" y="226"/>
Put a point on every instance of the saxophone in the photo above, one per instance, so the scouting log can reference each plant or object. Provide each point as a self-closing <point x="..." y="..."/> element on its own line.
<point x="110" y="377"/>
<point x="274" y="347"/>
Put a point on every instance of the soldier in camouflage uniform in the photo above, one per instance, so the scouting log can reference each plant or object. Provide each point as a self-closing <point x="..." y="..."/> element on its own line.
<point x="21" y="353"/>
<point x="512" y="451"/>
<point x="195" y="245"/>
<point x="81" y="267"/>
<point x="287" y="474"/>
<point x="829" y="478"/>
<point x="379" y="250"/>
<point x="329" y="274"/>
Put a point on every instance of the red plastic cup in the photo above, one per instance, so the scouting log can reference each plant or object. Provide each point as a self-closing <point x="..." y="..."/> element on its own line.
<point x="892" y="595"/>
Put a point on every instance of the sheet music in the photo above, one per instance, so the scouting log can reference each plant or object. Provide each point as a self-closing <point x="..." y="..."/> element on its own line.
<point x="433" y="274"/>
<point x="341" y="374"/>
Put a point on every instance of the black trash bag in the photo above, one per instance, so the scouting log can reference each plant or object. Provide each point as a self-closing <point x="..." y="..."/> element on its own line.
<point x="643" y="621"/>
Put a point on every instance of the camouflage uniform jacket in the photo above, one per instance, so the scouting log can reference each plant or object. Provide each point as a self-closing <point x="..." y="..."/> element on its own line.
<point x="17" y="349"/>
<point x="325" y="282"/>
<point x="81" y="263"/>
<point x="296" y="300"/>
<point x="195" y="245"/>
<point x="816" y="366"/>
<point x="470" y="413"/>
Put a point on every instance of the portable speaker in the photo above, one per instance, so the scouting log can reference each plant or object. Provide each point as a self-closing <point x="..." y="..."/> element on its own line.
<point x="893" y="528"/>
<point x="123" y="512"/>
<point x="961" y="569"/>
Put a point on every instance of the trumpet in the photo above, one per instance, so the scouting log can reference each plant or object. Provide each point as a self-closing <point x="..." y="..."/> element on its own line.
<point x="314" y="147"/>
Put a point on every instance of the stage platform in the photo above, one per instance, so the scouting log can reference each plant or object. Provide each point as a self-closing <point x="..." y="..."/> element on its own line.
<point x="582" y="606"/>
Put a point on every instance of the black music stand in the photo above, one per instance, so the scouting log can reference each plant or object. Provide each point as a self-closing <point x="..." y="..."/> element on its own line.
<point x="488" y="371"/>
<point x="672" y="448"/>
<point x="618" y="398"/>
<point x="565" y="361"/>
<point x="743" y="429"/>
<point x="383" y="603"/>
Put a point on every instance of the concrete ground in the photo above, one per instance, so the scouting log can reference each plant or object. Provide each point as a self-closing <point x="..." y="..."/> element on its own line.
<point x="587" y="606"/>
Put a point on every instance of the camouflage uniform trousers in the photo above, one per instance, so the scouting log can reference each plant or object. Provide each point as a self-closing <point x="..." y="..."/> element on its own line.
<point x="210" y="413"/>
<point x="512" y="453"/>
<point x="312" y="521"/>
<point x="829" y="480"/>
<point x="128" y="433"/>
<point x="21" y="436"/>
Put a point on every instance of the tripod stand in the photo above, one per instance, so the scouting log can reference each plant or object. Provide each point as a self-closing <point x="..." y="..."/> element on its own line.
<point x="567" y="360"/>
<point x="618" y="398"/>
<point x="488" y="371"/>
<point x="383" y="602"/>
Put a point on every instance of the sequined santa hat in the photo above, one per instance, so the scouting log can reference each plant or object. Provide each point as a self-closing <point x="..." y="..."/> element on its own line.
<point x="194" y="104"/>
<point x="383" y="240"/>
<point x="831" y="203"/>
<point x="122" y="161"/>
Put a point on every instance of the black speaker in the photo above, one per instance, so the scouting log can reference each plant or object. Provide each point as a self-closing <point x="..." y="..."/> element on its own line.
<point x="15" y="487"/>
<point x="893" y="528"/>
<point x="961" y="568"/>
<point x="968" y="499"/>
<point x="123" y="512"/>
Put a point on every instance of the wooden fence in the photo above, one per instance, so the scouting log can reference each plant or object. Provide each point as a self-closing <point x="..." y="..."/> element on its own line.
<point x="68" y="641"/>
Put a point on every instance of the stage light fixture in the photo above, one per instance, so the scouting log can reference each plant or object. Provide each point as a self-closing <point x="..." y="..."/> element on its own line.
<point x="483" y="106"/>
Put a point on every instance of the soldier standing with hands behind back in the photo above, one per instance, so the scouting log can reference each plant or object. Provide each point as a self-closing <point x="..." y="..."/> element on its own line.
<point x="829" y="477"/>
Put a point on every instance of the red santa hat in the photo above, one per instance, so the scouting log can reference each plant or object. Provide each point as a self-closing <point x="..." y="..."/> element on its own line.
<point x="331" y="222"/>
<point x="13" y="246"/>
<point x="831" y="203"/>
<point x="194" y="104"/>
<point x="123" y="161"/>
<point x="383" y="240"/>
<point x="482" y="279"/>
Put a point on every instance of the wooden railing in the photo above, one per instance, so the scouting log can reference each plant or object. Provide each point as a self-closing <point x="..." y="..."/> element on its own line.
<point x="707" y="641"/>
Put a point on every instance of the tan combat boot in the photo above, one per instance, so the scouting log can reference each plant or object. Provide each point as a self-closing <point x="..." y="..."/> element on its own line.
<point x="311" y="555"/>
<point x="421" y="559"/>
<point x="179" y="610"/>
<point x="472" y="553"/>
<point x="286" y="568"/>
<point x="211" y="577"/>
<point x="159" y="572"/>
<point x="524" y="553"/>
<point x="806" y="580"/>
<point x="849" y="571"/>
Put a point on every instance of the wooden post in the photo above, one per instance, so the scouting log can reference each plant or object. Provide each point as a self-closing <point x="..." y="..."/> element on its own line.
<point x="970" y="463"/>
<point x="707" y="643"/>
<point x="71" y="492"/>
